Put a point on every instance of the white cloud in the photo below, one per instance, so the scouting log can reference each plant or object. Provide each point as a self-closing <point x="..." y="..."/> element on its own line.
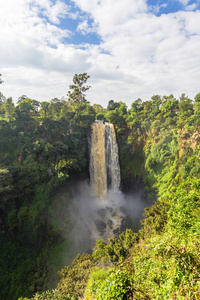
<point x="184" y="2"/>
<point x="52" y="11"/>
<point x="140" y="54"/>
<point x="156" y="8"/>
<point x="33" y="48"/>
<point x="84" y="28"/>
<point x="192" y="6"/>
<point x="109" y="14"/>
<point x="154" y="54"/>
<point x="23" y="34"/>
<point x="188" y="6"/>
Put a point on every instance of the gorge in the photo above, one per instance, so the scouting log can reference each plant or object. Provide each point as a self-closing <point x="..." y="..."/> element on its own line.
<point x="56" y="200"/>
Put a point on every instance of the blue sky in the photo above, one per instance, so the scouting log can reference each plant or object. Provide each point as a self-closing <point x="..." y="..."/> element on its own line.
<point x="172" y="6"/>
<point x="131" y="49"/>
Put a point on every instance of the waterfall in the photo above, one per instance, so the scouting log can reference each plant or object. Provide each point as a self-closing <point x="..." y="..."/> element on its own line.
<point x="112" y="158"/>
<point x="104" y="161"/>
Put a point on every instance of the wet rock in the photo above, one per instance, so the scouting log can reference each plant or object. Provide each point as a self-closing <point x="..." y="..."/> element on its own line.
<point x="102" y="213"/>
<point x="126" y="223"/>
<point x="116" y="232"/>
<point x="100" y="225"/>
<point x="110" y="223"/>
<point x="109" y="209"/>
<point x="114" y="214"/>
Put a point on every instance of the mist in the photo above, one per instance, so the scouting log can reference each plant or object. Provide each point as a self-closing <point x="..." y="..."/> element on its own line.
<point x="103" y="219"/>
<point x="92" y="219"/>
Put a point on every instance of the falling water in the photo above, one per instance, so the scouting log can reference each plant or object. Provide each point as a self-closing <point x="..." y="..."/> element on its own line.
<point x="104" y="162"/>
<point x="112" y="159"/>
<point x="98" y="175"/>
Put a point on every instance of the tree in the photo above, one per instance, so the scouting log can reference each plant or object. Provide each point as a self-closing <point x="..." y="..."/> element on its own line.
<point x="197" y="98"/>
<point x="2" y="98"/>
<point x="112" y="105"/>
<point x="117" y="116"/>
<point x="117" y="249"/>
<point x="1" y="81"/>
<point x="169" y="107"/>
<point x="197" y="106"/>
<point x="99" y="109"/>
<point x="2" y="103"/>
<point x="156" y="102"/>
<point x="45" y="108"/>
<point x="185" y="107"/>
<point x="74" y="279"/>
<point x="28" y="106"/>
<point x="22" y="98"/>
<point x="137" y="105"/>
<point x="9" y="108"/>
<point x="5" y="183"/>
<point x="56" y="106"/>
<point x="79" y="88"/>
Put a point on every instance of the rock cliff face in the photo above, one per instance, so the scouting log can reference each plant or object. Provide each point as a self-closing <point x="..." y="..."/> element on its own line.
<point x="186" y="138"/>
<point x="195" y="140"/>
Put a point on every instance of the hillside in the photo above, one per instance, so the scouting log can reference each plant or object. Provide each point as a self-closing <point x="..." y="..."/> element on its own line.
<point x="44" y="152"/>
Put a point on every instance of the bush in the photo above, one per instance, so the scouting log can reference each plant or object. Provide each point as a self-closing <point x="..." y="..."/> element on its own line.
<point x="73" y="279"/>
<point x="116" y="285"/>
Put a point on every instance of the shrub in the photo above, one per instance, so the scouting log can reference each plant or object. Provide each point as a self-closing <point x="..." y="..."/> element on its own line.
<point x="116" y="285"/>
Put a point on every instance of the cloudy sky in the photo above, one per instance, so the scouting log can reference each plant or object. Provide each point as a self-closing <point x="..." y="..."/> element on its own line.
<point x="130" y="48"/>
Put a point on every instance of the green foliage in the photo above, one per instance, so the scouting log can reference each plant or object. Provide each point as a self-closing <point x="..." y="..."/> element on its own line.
<point x="20" y="273"/>
<point x="117" y="249"/>
<point x="53" y="108"/>
<point x="9" y="109"/>
<point x="48" y="295"/>
<point x="117" y="117"/>
<point x="45" y="108"/>
<point x="5" y="181"/>
<point x="99" y="109"/>
<point x="94" y="281"/>
<point x="155" y="218"/>
<point x="28" y="107"/>
<point x="44" y="146"/>
<point x="197" y="98"/>
<point x="167" y="264"/>
<point x="74" y="278"/>
<point x="185" y="208"/>
<point x="116" y="285"/>
<point x="162" y="269"/>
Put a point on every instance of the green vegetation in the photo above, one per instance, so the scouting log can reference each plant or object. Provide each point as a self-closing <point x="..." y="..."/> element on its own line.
<point x="44" y="149"/>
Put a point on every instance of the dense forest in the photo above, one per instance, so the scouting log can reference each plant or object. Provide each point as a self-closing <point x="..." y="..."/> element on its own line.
<point x="44" y="149"/>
